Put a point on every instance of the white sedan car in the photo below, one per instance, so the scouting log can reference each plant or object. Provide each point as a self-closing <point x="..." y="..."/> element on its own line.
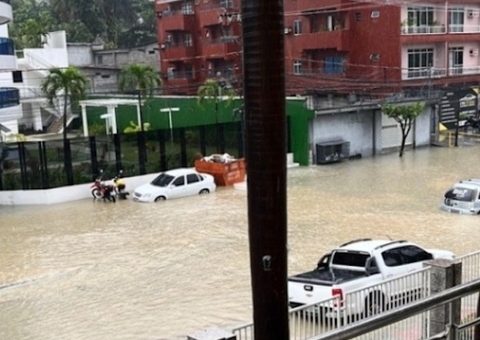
<point x="174" y="184"/>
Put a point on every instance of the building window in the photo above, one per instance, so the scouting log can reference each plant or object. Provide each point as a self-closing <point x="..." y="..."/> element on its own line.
<point x="99" y="59"/>
<point x="334" y="65"/>
<point x="420" y="60"/>
<point x="455" y="60"/>
<point x="297" y="27"/>
<point x="187" y="39"/>
<point x="226" y="3"/>
<point x="17" y="76"/>
<point x="188" y="71"/>
<point x="420" y="16"/>
<point x="358" y="16"/>
<point x="105" y="76"/>
<point x="457" y="19"/>
<point x="297" y="67"/>
<point x="187" y="7"/>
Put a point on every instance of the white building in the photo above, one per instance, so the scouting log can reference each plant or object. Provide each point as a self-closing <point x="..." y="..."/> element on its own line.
<point x="33" y="65"/>
<point x="10" y="108"/>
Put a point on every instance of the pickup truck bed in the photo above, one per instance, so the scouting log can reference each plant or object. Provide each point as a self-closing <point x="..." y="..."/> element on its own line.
<point x="327" y="277"/>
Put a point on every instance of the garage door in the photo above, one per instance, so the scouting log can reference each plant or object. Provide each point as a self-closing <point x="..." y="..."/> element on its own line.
<point x="392" y="134"/>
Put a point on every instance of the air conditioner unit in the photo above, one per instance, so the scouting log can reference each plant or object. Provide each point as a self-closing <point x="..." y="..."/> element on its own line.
<point x="474" y="52"/>
<point x="473" y="13"/>
<point x="287" y="30"/>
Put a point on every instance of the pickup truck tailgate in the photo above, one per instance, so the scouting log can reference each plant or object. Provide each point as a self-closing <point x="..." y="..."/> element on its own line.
<point x="316" y="285"/>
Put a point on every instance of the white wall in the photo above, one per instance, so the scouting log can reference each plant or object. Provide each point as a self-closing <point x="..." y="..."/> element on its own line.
<point x="63" y="194"/>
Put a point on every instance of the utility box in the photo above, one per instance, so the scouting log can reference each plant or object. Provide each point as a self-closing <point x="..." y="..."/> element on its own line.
<point x="212" y="334"/>
<point x="332" y="151"/>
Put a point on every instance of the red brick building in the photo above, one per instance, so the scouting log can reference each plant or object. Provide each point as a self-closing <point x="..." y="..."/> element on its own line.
<point x="330" y="45"/>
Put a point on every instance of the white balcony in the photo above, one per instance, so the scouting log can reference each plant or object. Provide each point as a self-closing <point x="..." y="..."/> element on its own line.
<point x="423" y="73"/>
<point x="6" y="14"/>
<point x="464" y="28"/>
<point x="438" y="29"/>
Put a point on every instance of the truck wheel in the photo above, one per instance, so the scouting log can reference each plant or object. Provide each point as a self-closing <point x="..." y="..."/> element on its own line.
<point x="374" y="304"/>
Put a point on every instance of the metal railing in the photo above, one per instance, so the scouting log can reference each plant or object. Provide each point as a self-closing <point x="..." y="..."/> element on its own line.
<point x="356" y="306"/>
<point x="372" y="327"/>
<point x="334" y="313"/>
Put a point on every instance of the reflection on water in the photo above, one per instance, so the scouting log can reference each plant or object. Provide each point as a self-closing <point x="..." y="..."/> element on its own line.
<point x="94" y="270"/>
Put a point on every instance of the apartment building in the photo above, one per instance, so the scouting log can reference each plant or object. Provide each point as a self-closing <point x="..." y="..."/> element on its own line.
<point x="10" y="108"/>
<point x="198" y="39"/>
<point x="330" y="45"/>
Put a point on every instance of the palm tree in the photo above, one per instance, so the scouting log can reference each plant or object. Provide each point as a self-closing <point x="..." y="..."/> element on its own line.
<point x="141" y="80"/>
<point x="213" y="91"/>
<point x="69" y="83"/>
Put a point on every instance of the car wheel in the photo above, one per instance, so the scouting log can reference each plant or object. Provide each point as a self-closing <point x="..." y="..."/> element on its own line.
<point x="160" y="198"/>
<point x="204" y="192"/>
<point x="374" y="304"/>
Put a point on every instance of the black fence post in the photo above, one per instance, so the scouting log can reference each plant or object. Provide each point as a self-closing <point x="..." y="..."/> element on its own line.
<point x="141" y="152"/>
<point x="183" y="147"/>
<point x="162" y="150"/>
<point x="221" y="138"/>
<point x="67" y="153"/>
<point x="45" y="177"/>
<point x="23" y="165"/>
<point x="92" y="141"/>
<point x="41" y="164"/>
<point x="118" y="152"/>
<point x="203" y="140"/>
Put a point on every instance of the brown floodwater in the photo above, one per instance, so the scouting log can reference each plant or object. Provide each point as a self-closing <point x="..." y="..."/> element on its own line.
<point x="93" y="270"/>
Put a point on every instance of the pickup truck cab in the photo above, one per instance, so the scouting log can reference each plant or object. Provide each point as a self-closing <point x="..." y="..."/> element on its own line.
<point x="360" y="264"/>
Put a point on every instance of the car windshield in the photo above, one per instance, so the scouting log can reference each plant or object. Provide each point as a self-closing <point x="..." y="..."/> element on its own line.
<point x="353" y="259"/>
<point x="461" y="194"/>
<point x="162" y="180"/>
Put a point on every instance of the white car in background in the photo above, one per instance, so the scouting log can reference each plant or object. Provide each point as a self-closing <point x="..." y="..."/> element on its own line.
<point x="174" y="184"/>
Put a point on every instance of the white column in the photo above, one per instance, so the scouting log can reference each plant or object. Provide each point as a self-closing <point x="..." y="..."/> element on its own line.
<point x="84" y="120"/>
<point x="112" y="113"/>
<point x="138" y="117"/>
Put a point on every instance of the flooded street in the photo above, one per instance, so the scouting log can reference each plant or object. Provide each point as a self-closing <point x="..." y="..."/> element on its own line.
<point x="93" y="271"/>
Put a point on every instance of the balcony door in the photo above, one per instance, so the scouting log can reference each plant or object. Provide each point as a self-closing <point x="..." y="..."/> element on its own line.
<point x="455" y="60"/>
<point x="457" y="20"/>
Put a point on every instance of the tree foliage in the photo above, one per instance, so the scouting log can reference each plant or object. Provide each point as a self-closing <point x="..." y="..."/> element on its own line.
<point x="404" y="115"/>
<point x="120" y="23"/>
<point x="139" y="78"/>
<point x="213" y="91"/>
<point x="69" y="83"/>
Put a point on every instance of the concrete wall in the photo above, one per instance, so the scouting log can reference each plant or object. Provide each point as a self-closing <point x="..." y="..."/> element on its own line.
<point x="63" y="194"/>
<point x="80" y="55"/>
<point x="356" y="128"/>
<point x="423" y="127"/>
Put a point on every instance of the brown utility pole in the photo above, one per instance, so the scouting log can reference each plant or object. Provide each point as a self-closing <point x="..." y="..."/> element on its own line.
<point x="265" y="130"/>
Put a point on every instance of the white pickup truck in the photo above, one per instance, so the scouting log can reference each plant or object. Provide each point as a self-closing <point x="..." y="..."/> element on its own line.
<point x="361" y="264"/>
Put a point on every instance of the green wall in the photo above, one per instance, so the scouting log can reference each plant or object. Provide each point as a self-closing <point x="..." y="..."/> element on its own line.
<point x="192" y="114"/>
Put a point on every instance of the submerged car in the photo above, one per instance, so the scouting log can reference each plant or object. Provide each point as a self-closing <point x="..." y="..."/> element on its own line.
<point x="174" y="184"/>
<point x="463" y="197"/>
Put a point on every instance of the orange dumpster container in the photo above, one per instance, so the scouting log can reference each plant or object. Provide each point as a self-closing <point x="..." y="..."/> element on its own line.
<point x="225" y="174"/>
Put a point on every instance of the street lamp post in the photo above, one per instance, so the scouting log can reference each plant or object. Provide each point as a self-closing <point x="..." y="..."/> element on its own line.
<point x="170" y="123"/>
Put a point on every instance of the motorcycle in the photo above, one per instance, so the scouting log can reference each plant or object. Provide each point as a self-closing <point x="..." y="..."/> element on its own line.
<point x="102" y="190"/>
<point x="120" y="188"/>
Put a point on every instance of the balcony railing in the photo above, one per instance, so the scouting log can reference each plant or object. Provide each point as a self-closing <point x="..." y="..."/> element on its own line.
<point x="422" y="72"/>
<point x="430" y="29"/>
<point x="439" y="29"/>
<point x="9" y="96"/>
<point x="6" y="46"/>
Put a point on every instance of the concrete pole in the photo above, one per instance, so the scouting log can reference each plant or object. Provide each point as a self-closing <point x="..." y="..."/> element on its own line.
<point x="84" y="120"/>
<point x="445" y="274"/>
<point x="112" y="112"/>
